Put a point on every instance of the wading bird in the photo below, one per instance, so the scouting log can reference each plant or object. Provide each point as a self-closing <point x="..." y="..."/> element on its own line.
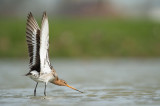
<point x="38" y="45"/>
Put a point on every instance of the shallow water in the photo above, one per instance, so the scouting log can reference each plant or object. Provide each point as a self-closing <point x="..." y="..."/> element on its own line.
<point x="104" y="82"/>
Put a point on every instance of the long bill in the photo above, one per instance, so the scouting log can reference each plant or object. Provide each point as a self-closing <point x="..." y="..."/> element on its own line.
<point x="74" y="88"/>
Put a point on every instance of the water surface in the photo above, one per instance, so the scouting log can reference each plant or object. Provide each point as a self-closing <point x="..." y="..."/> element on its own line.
<point x="104" y="82"/>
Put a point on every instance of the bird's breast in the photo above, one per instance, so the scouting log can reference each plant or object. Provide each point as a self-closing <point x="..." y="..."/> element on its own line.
<point x="43" y="77"/>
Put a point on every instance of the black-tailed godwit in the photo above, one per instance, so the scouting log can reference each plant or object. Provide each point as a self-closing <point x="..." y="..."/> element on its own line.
<point x="38" y="45"/>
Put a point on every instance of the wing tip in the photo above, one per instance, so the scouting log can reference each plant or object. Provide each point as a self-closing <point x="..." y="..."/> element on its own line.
<point x="44" y="19"/>
<point x="30" y="15"/>
<point x="44" y="15"/>
<point x="31" y="22"/>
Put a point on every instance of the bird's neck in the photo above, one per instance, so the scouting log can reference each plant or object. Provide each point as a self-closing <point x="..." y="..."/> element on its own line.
<point x="56" y="81"/>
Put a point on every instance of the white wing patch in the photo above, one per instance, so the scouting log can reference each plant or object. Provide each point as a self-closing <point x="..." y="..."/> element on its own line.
<point x="44" y="45"/>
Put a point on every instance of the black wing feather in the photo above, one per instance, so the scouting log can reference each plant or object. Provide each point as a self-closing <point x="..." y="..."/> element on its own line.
<point x="33" y="42"/>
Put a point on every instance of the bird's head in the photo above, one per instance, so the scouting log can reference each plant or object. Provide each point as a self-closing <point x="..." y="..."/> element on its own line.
<point x="61" y="82"/>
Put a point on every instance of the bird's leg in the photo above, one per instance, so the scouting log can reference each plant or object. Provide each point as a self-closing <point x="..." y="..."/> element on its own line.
<point x="45" y="89"/>
<point x="35" y="89"/>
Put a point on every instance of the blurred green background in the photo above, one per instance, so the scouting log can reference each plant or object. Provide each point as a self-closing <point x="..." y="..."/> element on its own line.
<point x="84" y="29"/>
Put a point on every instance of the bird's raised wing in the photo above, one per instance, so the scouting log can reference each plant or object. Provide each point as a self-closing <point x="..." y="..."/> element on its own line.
<point x="44" y="45"/>
<point x="33" y="41"/>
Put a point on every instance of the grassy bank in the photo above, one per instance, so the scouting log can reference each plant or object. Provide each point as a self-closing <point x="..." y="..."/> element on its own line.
<point x="86" y="38"/>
